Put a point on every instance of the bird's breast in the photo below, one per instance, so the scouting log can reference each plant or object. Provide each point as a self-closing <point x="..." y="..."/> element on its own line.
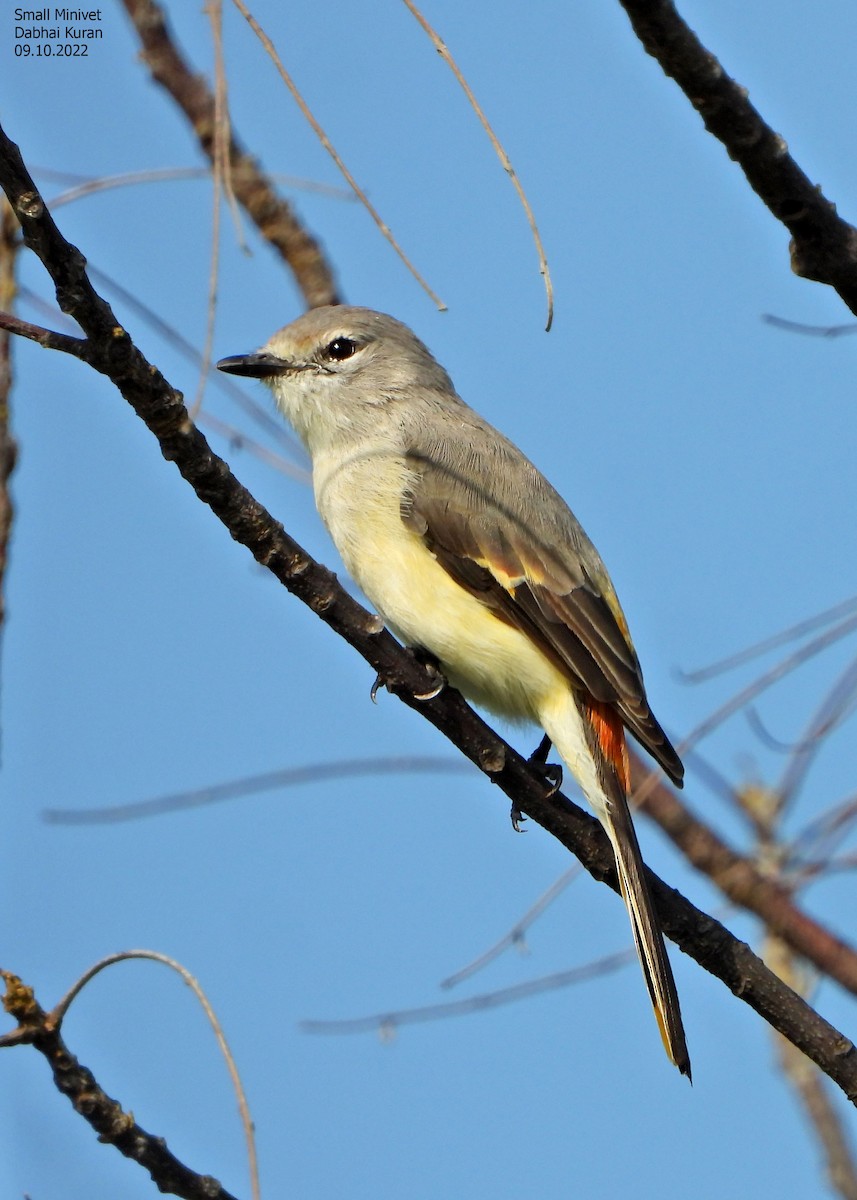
<point x="359" y="498"/>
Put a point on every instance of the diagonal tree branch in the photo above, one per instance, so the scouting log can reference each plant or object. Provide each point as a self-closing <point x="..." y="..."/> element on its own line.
<point x="272" y="215"/>
<point x="823" y="246"/>
<point x="9" y="246"/>
<point x="741" y="880"/>
<point x="161" y="408"/>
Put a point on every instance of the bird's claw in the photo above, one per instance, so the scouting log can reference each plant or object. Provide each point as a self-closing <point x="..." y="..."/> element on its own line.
<point x="517" y="817"/>
<point x="553" y="777"/>
<point x="432" y="668"/>
<point x="431" y="665"/>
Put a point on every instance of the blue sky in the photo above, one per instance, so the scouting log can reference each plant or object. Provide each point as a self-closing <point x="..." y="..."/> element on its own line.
<point x="710" y="457"/>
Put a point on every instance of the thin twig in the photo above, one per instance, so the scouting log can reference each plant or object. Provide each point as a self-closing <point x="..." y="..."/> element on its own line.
<point x="222" y="165"/>
<point x="825" y="331"/>
<point x="802" y="743"/>
<point x="809" y="1087"/>
<point x="383" y="227"/>
<point x="505" y="161"/>
<point x="275" y="428"/>
<point x="837" y="703"/>
<point x="253" y="784"/>
<point x="9" y="246"/>
<point x="786" y="665"/>
<point x="106" y="1116"/>
<point x="58" y="1013"/>
<point x="89" y="185"/>
<point x="791" y="634"/>
<point x="386" y="1022"/>
<point x="823" y="834"/>
<point x="272" y="215"/>
<point x="515" y="936"/>
<point x="798" y="876"/>
<point x="46" y="338"/>
<point x="239" y="440"/>
<point x="236" y="437"/>
<point x="221" y="178"/>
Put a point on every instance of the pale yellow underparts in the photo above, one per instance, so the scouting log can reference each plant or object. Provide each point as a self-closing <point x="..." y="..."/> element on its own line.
<point x="494" y="664"/>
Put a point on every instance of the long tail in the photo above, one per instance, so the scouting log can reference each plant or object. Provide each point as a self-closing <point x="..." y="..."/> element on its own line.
<point x="605" y="736"/>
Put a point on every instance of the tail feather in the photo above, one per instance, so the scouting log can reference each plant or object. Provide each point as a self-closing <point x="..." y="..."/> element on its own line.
<point x="648" y="938"/>
<point x="605" y="735"/>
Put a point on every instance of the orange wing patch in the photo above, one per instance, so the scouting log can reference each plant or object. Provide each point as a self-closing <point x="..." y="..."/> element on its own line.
<point x="610" y="734"/>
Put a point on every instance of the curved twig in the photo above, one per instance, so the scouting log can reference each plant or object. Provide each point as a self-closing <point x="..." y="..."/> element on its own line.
<point x="57" y="1016"/>
<point x="505" y="161"/>
<point x="106" y="1115"/>
<point x="382" y="225"/>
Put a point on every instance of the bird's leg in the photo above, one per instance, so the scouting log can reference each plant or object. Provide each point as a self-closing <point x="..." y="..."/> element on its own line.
<point x="429" y="663"/>
<point x="551" y="771"/>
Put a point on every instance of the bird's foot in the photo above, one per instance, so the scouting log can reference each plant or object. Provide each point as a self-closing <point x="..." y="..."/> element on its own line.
<point x="431" y="665"/>
<point x="516" y="817"/>
<point x="550" y="772"/>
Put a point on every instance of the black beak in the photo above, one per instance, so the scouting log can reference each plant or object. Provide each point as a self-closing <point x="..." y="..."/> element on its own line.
<point x="258" y="366"/>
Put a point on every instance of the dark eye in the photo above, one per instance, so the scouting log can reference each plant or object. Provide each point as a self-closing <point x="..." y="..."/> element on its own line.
<point x="340" y="348"/>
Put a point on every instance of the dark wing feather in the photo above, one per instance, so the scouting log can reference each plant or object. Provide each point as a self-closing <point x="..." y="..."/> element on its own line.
<point x="542" y="574"/>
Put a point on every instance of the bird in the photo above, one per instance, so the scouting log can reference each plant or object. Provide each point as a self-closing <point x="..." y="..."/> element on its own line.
<point x="471" y="556"/>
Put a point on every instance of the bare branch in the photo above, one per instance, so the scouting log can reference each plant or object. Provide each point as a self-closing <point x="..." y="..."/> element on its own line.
<point x="823" y="246"/>
<point x="8" y="448"/>
<point x="88" y="185"/>
<point x="834" y="707"/>
<point x="46" y="338"/>
<point x="239" y="440"/>
<point x="275" y="428"/>
<point x="825" y="331"/>
<point x="221" y="182"/>
<point x="821" y="836"/>
<point x="767" y="679"/>
<point x="272" y="215"/>
<point x="808" y="1084"/>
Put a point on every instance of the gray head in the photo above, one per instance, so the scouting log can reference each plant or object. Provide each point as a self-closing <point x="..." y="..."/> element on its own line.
<point x="336" y="366"/>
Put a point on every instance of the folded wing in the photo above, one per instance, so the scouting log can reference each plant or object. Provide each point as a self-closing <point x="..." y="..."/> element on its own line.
<point x="516" y="546"/>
